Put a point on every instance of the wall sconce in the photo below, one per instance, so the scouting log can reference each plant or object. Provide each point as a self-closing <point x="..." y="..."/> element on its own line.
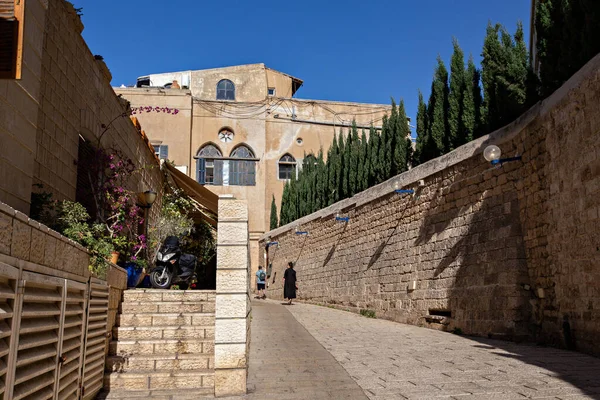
<point x="492" y="154"/>
<point x="397" y="189"/>
<point x="270" y="243"/>
<point x="299" y="232"/>
<point x="340" y="218"/>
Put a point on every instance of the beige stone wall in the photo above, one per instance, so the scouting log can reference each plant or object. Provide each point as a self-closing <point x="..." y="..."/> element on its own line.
<point x="19" y="104"/>
<point x="250" y="82"/>
<point x="76" y="98"/>
<point x="508" y="252"/>
<point x="116" y="279"/>
<point x="27" y="244"/>
<point x="232" y="310"/>
<point x="64" y="92"/>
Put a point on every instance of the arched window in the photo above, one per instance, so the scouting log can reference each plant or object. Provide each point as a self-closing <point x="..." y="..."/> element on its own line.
<point x="225" y="90"/>
<point x="287" y="167"/>
<point x="242" y="172"/>
<point x="209" y="165"/>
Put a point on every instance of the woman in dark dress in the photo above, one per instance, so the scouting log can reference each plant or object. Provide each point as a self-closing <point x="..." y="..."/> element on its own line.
<point x="289" y="283"/>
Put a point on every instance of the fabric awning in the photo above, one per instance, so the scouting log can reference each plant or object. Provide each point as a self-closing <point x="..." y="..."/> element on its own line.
<point x="205" y="201"/>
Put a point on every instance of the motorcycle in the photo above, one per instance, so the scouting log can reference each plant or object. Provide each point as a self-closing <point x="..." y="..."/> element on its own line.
<point x="172" y="267"/>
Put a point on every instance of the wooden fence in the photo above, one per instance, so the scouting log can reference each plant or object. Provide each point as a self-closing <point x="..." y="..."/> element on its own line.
<point x="53" y="335"/>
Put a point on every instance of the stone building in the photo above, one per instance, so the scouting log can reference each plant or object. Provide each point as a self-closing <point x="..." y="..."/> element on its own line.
<point x="239" y="130"/>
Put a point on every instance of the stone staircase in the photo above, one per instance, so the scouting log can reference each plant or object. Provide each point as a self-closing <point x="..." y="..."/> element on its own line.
<point x="163" y="346"/>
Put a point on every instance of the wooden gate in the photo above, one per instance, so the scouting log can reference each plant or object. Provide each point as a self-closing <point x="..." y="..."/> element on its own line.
<point x="52" y="336"/>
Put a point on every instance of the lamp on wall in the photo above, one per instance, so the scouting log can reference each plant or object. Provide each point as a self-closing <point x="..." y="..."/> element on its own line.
<point x="299" y="232"/>
<point x="492" y="154"/>
<point x="398" y="189"/>
<point x="339" y="218"/>
<point x="270" y="243"/>
<point x="149" y="198"/>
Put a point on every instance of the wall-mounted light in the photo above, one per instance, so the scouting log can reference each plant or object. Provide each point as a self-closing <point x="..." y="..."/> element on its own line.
<point x="398" y="189"/>
<point x="338" y="217"/>
<point x="299" y="232"/>
<point x="270" y="242"/>
<point x="492" y="154"/>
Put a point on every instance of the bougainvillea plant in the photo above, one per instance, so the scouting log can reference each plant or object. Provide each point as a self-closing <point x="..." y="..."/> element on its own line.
<point x="149" y="109"/>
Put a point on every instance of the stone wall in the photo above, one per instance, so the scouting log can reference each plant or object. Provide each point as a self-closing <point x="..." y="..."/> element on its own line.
<point x="27" y="244"/>
<point x="232" y="310"/>
<point x="64" y="92"/>
<point x="509" y="251"/>
<point x="116" y="278"/>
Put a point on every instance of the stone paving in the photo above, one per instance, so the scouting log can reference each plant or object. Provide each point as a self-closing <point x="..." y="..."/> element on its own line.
<point x="286" y="362"/>
<point x="395" y="361"/>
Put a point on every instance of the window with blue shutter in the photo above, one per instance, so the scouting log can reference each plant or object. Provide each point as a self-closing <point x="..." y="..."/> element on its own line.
<point x="242" y="172"/>
<point x="209" y="165"/>
<point x="164" y="152"/>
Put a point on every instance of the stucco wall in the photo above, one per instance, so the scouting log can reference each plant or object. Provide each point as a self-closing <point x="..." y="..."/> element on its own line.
<point x="506" y="252"/>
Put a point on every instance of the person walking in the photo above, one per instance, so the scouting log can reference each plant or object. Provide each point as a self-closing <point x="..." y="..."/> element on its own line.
<point x="261" y="280"/>
<point x="289" y="283"/>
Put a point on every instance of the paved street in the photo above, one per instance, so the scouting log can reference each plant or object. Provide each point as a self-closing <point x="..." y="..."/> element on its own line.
<point x="311" y="352"/>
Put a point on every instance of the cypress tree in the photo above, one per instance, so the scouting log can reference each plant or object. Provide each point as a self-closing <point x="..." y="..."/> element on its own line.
<point x="340" y="168"/>
<point x="375" y="171"/>
<point x="422" y="131"/>
<point x="285" y="204"/>
<point x="294" y="206"/>
<point x="347" y="166"/>
<point x="353" y="161"/>
<point x="438" y="109"/>
<point x="385" y="151"/>
<point x="332" y="160"/>
<point x="401" y="133"/>
<point x="504" y="75"/>
<point x="471" y="118"/>
<point x="363" y="163"/>
<point x="456" y="129"/>
<point x="274" y="222"/>
<point x="321" y="183"/>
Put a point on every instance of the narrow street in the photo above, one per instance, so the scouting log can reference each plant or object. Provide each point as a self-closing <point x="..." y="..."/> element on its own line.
<point x="312" y="352"/>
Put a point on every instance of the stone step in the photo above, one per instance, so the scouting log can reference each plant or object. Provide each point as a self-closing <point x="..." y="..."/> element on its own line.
<point x="180" y="394"/>
<point x="140" y="307"/>
<point x="161" y="380"/>
<point x="152" y="362"/>
<point x="165" y="319"/>
<point x="163" y="332"/>
<point x="158" y="295"/>
<point x="162" y="346"/>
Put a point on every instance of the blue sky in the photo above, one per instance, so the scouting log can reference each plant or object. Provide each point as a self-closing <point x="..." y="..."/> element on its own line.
<point x="361" y="51"/>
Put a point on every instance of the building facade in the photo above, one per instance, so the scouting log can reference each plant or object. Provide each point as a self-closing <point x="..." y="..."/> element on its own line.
<point x="240" y="130"/>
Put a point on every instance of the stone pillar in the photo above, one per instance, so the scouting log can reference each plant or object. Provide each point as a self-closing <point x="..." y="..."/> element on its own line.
<point x="232" y="322"/>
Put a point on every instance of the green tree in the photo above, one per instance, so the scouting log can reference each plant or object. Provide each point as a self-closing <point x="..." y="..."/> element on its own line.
<point x="363" y="163"/>
<point x="458" y="86"/>
<point x="504" y="75"/>
<point x="332" y="174"/>
<point x="472" y="101"/>
<point x="274" y="222"/>
<point x="341" y="167"/>
<point x="285" y="205"/>
<point x="353" y="161"/>
<point x="385" y="149"/>
<point x="375" y="165"/>
<point x="422" y="131"/>
<point x="568" y="33"/>
<point x="401" y="132"/>
<point x="321" y="183"/>
<point x="438" y="108"/>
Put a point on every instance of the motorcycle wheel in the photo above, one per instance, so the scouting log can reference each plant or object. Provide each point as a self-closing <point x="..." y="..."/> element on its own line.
<point x="158" y="280"/>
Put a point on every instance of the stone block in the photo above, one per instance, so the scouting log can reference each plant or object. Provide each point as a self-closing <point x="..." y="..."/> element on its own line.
<point x="232" y="281"/>
<point x="233" y="210"/>
<point x="230" y="356"/>
<point x="230" y="382"/>
<point x="231" y="306"/>
<point x="232" y="257"/>
<point x="21" y="240"/>
<point x="232" y="233"/>
<point x="230" y="331"/>
<point x="38" y="245"/>
<point x="6" y="229"/>
<point x="50" y="251"/>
